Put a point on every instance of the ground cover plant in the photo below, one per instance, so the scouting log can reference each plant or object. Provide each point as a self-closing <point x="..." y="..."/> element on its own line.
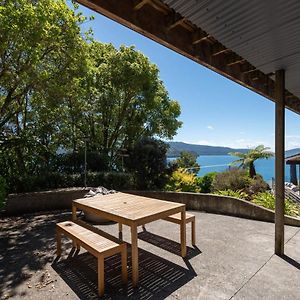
<point x="267" y="200"/>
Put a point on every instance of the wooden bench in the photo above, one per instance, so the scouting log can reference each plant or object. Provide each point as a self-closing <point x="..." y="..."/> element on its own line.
<point x="176" y="218"/>
<point x="94" y="243"/>
<point x="189" y="218"/>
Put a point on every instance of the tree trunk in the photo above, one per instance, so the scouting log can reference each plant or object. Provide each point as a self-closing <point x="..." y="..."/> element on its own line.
<point x="252" y="171"/>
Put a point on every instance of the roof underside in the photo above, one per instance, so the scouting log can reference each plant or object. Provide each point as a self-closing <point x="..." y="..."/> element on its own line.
<point x="293" y="160"/>
<point x="246" y="41"/>
<point x="265" y="33"/>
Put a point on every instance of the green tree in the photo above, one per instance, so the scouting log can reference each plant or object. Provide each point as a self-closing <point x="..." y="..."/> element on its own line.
<point x="126" y="100"/>
<point x="246" y="160"/>
<point x="58" y="88"/>
<point x="187" y="161"/>
<point x="41" y="52"/>
<point x="148" y="161"/>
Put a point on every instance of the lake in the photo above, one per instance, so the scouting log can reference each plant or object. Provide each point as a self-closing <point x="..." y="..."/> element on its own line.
<point x="219" y="163"/>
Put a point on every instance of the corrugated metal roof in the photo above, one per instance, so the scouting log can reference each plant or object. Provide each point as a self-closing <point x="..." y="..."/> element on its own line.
<point x="266" y="33"/>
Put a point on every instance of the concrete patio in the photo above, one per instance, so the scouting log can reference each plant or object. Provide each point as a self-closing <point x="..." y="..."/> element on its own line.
<point x="234" y="260"/>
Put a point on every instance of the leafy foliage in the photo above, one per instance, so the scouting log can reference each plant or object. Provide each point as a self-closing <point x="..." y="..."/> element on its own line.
<point x="239" y="180"/>
<point x="125" y="100"/>
<point x="256" y="185"/>
<point x="236" y="194"/>
<point x="59" y="88"/>
<point x="147" y="160"/>
<point x="53" y="180"/>
<point x="187" y="161"/>
<point x="267" y="200"/>
<point x="205" y="182"/>
<point x="42" y="52"/>
<point x="246" y="160"/>
<point x="182" y="181"/>
<point x="73" y="162"/>
<point x="232" y="179"/>
<point x="3" y="191"/>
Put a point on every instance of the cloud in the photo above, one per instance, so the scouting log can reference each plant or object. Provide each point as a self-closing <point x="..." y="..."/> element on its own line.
<point x="210" y="127"/>
<point x="207" y="142"/>
<point x="292" y="141"/>
<point x="246" y="143"/>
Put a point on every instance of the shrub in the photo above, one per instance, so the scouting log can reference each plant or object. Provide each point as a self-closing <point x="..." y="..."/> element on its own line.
<point x="2" y="192"/>
<point x="267" y="200"/>
<point x="256" y="185"/>
<point x="182" y="181"/>
<point x="236" y="194"/>
<point x="148" y="161"/>
<point x="205" y="182"/>
<point x="232" y="179"/>
<point x="111" y="180"/>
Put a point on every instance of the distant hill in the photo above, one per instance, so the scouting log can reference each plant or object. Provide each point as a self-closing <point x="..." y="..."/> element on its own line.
<point x="177" y="147"/>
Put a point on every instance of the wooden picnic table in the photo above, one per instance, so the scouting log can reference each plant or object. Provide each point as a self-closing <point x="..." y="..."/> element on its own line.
<point x="134" y="211"/>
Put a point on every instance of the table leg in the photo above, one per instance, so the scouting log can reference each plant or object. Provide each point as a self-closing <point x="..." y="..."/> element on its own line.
<point x="74" y="216"/>
<point x="183" y="233"/>
<point x="120" y="231"/>
<point x="134" y="256"/>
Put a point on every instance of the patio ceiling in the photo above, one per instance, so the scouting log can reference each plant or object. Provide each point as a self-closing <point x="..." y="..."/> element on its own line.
<point x="246" y="41"/>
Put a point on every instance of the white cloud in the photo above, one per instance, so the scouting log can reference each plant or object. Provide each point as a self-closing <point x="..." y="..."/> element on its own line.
<point x="210" y="127"/>
<point x="207" y="142"/>
<point x="292" y="141"/>
<point x="246" y="143"/>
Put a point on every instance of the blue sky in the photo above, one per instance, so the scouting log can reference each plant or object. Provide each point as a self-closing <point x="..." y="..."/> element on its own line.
<point x="214" y="110"/>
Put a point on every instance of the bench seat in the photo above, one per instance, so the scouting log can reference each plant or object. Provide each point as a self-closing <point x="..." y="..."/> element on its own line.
<point x="97" y="245"/>
<point x="189" y="218"/>
<point x="176" y="218"/>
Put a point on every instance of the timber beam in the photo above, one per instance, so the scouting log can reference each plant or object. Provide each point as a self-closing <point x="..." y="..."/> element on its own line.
<point x="155" y="20"/>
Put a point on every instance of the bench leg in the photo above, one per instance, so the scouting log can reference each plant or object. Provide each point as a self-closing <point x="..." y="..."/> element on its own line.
<point x="193" y="233"/>
<point x="58" y="243"/>
<point x="101" y="276"/>
<point x="124" y="264"/>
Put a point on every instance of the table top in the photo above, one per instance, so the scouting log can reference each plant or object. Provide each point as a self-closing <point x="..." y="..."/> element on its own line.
<point x="128" y="208"/>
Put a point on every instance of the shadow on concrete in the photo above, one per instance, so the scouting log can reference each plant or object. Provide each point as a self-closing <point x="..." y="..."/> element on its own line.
<point x="167" y="244"/>
<point x="291" y="261"/>
<point x="158" y="277"/>
<point x="26" y="246"/>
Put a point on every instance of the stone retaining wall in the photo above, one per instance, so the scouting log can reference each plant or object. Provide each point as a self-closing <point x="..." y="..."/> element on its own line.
<point x="43" y="201"/>
<point x="62" y="199"/>
<point x="220" y="205"/>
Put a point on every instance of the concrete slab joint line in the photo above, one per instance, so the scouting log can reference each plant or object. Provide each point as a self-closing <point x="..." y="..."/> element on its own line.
<point x="251" y="277"/>
<point x="263" y="265"/>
